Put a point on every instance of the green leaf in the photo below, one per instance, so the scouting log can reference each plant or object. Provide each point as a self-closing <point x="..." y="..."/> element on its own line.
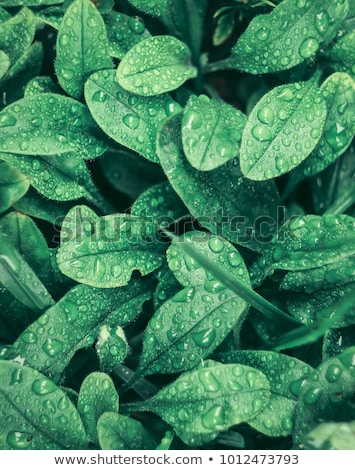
<point x="60" y="177"/>
<point x="160" y="205"/>
<point x="119" y="432"/>
<point x="201" y="403"/>
<point x="49" y="124"/>
<point x="82" y="46"/>
<point x="52" y="15"/>
<point x="232" y="210"/>
<point x="180" y="333"/>
<point x="293" y="32"/>
<point x="307" y="242"/>
<point x="138" y="117"/>
<point x="326" y="395"/>
<point x="156" y="65"/>
<point x="343" y="54"/>
<point x="124" y="32"/>
<point x="331" y="436"/>
<point x="21" y="26"/>
<point x="28" y="3"/>
<point x="224" y="28"/>
<point x="282" y="130"/>
<point x="111" y="347"/>
<point x="150" y="7"/>
<point x="13" y="185"/>
<point x="107" y="257"/>
<point x="166" y="288"/>
<point x="36" y="413"/>
<point x="97" y="395"/>
<point x="41" y="84"/>
<point x="211" y="132"/>
<point x="4" y="63"/>
<point x="284" y="374"/>
<point x="50" y="342"/>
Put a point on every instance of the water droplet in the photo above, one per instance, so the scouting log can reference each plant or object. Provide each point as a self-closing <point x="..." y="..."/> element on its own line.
<point x="136" y="24"/>
<point x="131" y="121"/>
<point x="321" y="22"/>
<point x="19" y="440"/>
<point x="205" y="338"/>
<point x="214" y="418"/>
<point x="266" y="115"/>
<point x="302" y="3"/>
<point x="216" y="244"/>
<point x="312" y="395"/>
<point x="191" y="120"/>
<point x="43" y="386"/>
<point x="64" y="39"/>
<point x="308" y="47"/>
<point x="263" y="33"/>
<point x="28" y="337"/>
<point x="7" y="120"/>
<point x="336" y="137"/>
<point x="286" y="94"/>
<point x="261" y="133"/>
<point x="16" y="377"/>
<point x="99" y="96"/>
<point x="67" y="74"/>
<point x="333" y="373"/>
<point x="213" y="286"/>
<point x="182" y="414"/>
<point x="209" y="381"/>
<point x="52" y="347"/>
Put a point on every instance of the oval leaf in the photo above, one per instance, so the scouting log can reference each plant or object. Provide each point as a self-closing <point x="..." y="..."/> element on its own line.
<point x="211" y="132"/>
<point x="156" y="65"/>
<point x="282" y="130"/>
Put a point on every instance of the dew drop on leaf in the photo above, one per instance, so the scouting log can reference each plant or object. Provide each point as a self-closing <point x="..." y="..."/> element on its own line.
<point x="209" y="381"/>
<point x="43" y="386"/>
<point x="333" y="373"/>
<point x="308" y="47"/>
<point x="312" y="395"/>
<point x="131" y="121"/>
<point x="321" y="22"/>
<point x="261" y="133"/>
<point x="19" y="440"/>
<point x="214" y="418"/>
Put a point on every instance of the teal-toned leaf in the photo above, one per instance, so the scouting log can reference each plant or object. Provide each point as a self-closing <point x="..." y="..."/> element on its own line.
<point x="4" y="14"/>
<point x="21" y="25"/>
<point x="36" y="413"/>
<point x="150" y="7"/>
<point x="82" y="47"/>
<point x="117" y="245"/>
<point x="285" y="374"/>
<point x="138" y="117"/>
<point x="282" y="130"/>
<point x="156" y="65"/>
<point x="293" y="32"/>
<point x="49" y="124"/>
<point x="166" y="441"/>
<point x="97" y="395"/>
<point x="203" y="402"/>
<point x="331" y="436"/>
<point x="181" y="333"/>
<point x="28" y="3"/>
<point x="343" y="55"/>
<point x="119" y="432"/>
<point x="52" y="16"/>
<point x="41" y="84"/>
<point x="211" y="132"/>
<point x="166" y="288"/>
<point x="50" y="342"/>
<point x="111" y="347"/>
<point x="4" y="63"/>
<point x="130" y="174"/>
<point x="224" y="28"/>
<point x="233" y="210"/>
<point x="13" y="185"/>
<point x="60" y="177"/>
<point x="160" y="205"/>
<point x="124" y="32"/>
<point x="307" y="242"/>
<point x="326" y="395"/>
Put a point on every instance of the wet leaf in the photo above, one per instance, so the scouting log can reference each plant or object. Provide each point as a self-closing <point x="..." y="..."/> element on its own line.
<point x="20" y="25"/>
<point x="224" y="28"/>
<point x="292" y="33"/>
<point x="331" y="436"/>
<point x="119" y="432"/>
<point x="49" y="124"/>
<point x="4" y="63"/>
<point x="139" y="117"/>
<point x="82" y="46"/>
<point x="13" y="185"/>
<point x="111" y="346"/>
<point x="74" y="323"/>
<point x="282" y="130"/>
<point x="211" y="132"/>
<point x="201" y="403"/>
<point x="156" y="65"/>
<point x="326" y="395"/>
<point x="39" y="414"/>
<point x="343" y="54"/>
<point x="232" y="210"/>
<point x="150" y="7"/>
<point x="97" y="395"/>
<point x="28" y="3"/>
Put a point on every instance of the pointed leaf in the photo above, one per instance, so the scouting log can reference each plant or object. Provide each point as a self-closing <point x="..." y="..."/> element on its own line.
<point x="211" y="132"/>
<point x="139" y="117"/>
<point x="111" y="347"/>
<point x="36" y="413"/>
<point x="343" y="54"/>
<point x="13" y="185"/>
<point x="82" y="46"/>
<point x="156" y="65"/>
<point x="282" y="130"/>
<point x="20" y="25"/>
<point x="150" y="7"/>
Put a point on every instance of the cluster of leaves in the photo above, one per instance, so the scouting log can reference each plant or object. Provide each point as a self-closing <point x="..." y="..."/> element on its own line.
<point x="177" y="231"/>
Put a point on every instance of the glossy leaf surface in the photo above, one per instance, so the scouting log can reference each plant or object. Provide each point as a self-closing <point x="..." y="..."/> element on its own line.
<point x="13" y="185"/>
